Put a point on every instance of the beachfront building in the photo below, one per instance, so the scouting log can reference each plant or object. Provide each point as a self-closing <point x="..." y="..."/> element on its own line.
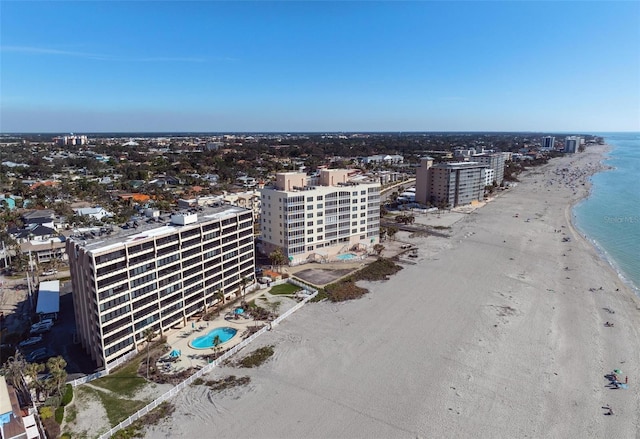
<point x="449" y="183"/>
<point x="318" y="218"/>
<point x="571" y="144"/>
<point x="494" y="161"/>
<point x="156" y="276"/>
<point x="548" y="143"/>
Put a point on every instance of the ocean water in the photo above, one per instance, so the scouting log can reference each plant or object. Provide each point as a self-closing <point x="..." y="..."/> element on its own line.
<point x="610" y="215"/>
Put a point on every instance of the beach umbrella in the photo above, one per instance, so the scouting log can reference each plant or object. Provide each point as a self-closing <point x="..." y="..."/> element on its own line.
<point x="174" y="353"/>
<point x="618" y="371"/>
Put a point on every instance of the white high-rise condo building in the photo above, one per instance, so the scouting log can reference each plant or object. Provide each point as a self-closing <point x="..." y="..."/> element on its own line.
<point x="156" y="275"/>
<point x="548" y="142"/>
<point x="571" y="144"/>
<point x="318" y="218"/>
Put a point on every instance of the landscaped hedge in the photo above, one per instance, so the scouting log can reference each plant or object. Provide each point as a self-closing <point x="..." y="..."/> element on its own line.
<point x="68" y="395"/>
<point x="59" y="414"/>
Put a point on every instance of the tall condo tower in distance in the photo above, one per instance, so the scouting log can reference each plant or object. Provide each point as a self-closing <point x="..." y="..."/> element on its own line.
<point x="548" y="143"/>
<point x="571" y="144"/>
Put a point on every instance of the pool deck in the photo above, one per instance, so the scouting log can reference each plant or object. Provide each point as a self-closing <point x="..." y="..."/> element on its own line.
<point x="179" y="339"/>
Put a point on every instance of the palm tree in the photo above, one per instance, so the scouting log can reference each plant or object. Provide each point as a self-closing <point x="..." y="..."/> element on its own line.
<point x="220" y="296"/>
<point x="148" y="335"/>
<point x="13" y="370"/>
<point x="32" y="370"/>
<point x="277" y="257"/>
<point x="378" y="248"/>
<point x="391" y="232"/>
<point x="216" y="343"/>
<point x="244" y="282"/>
<point x="56" y="367"/>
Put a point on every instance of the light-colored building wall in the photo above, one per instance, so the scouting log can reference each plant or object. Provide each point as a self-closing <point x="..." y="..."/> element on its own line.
<point x="156" y="277"/>
<point x="287" y="181"/>
<point x="489" y="176"/>
<point x="571" y="144"/>
<point x="452" y="184"/>
<point x="493" y="160"/>
<point x="320" y="222"/>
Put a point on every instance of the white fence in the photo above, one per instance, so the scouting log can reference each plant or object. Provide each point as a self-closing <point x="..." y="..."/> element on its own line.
<point x="115" y="363"/>
<point x="209" y="367"/>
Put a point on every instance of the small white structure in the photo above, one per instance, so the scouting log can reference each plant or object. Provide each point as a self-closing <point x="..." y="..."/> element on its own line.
<point x="93" y="212"/>
<point x="48" y="299"/>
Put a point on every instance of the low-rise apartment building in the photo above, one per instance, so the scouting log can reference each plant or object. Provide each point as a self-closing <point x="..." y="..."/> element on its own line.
<point x="316" y="219"/>
<point x="156" y="276"/>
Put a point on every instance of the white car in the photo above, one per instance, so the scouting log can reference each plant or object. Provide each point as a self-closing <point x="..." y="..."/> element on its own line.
<point x="30" y="341"/>
<point x="49" y="272"/>
<point x="43" y="326"/>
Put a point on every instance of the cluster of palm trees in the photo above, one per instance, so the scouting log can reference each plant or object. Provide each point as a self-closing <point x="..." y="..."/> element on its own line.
<point x="405" y="219"/>
<point x="16" y="369"/>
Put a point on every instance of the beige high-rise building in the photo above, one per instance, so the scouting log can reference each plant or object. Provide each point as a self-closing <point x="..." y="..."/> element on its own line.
<point x="319" y="218"/>
<point x="156" y="276"/>
<point x="449" y="184"/>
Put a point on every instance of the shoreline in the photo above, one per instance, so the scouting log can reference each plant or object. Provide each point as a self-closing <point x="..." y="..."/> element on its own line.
<point x="486" y="336"/>
<point x="602" y="253"/>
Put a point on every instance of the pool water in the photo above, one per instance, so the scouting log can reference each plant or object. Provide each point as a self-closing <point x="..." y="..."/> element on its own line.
<point x="206" y="341"/>
<point x="346" y="257"/>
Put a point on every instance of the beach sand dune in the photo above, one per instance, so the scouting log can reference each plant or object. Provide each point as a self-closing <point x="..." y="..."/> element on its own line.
<point x="499" y="334"/>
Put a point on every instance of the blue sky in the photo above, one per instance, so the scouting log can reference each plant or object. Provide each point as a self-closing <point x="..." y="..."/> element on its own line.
<point x="87" y="66"/>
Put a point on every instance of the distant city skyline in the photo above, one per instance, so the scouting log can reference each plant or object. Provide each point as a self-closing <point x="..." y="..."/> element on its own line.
<point x="87" y="67"/>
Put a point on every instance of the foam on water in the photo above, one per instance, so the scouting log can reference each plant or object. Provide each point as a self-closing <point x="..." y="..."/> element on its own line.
<point x="610" y="216"/>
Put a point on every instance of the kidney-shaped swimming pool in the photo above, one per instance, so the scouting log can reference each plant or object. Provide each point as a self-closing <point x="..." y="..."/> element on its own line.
<point x="206" y="341"/>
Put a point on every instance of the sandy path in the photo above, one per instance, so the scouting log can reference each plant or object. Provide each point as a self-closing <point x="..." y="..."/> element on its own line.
<point x="490" y="337"/>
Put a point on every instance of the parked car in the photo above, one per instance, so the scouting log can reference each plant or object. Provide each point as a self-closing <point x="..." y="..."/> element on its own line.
<point x="39" y="355"/>
<point x="49" y="272"/>
<point x="30" y="341"/>
<point x="42" y="326"/>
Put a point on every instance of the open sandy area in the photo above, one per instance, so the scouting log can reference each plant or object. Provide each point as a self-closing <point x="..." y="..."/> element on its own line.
<point x="496" y="332"/>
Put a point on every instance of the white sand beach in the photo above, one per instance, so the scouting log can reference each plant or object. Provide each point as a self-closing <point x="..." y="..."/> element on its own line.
<point x="496" y="332"/>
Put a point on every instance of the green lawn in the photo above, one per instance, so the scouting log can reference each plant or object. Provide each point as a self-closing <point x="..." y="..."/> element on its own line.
<point x="118" y="409"/>
<point x="125" y="381"/>
<point x="284" y="289"/>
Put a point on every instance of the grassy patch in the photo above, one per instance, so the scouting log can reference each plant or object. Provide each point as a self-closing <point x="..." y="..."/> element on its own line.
<point x="344" y="290"/>
<point x="227" y="383"/>
<point x="380" y="269"/>
<point x="284" y="289"/>
<point x="118" y="409"/>
<point x="441" y="227"/>
<point x="347" y="289"/>
<point x="154" y="417"/>
<point x="257" y="357"/>
<point x="71" y="414"/>
<point x="125" y="381"/>
<point x="322" y="294"/>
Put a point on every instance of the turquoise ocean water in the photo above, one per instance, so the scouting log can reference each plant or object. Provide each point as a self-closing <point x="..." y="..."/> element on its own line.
<point x="610" y="216"/>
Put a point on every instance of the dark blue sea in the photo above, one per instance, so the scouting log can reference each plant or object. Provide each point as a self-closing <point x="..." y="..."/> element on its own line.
<point x="610" y="215"/>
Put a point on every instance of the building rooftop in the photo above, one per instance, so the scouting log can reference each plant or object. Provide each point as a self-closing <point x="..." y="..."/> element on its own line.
<point x="460" y="165"/>
<point x="104" y="238"/>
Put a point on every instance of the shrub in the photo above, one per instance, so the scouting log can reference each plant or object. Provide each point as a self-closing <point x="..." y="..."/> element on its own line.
<point x="59" y="414"/>
<point x="65" y="436"/>
<point x="46" y="412"/>
<point x="68" y="395"/>
<point x="257" y="357"/>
